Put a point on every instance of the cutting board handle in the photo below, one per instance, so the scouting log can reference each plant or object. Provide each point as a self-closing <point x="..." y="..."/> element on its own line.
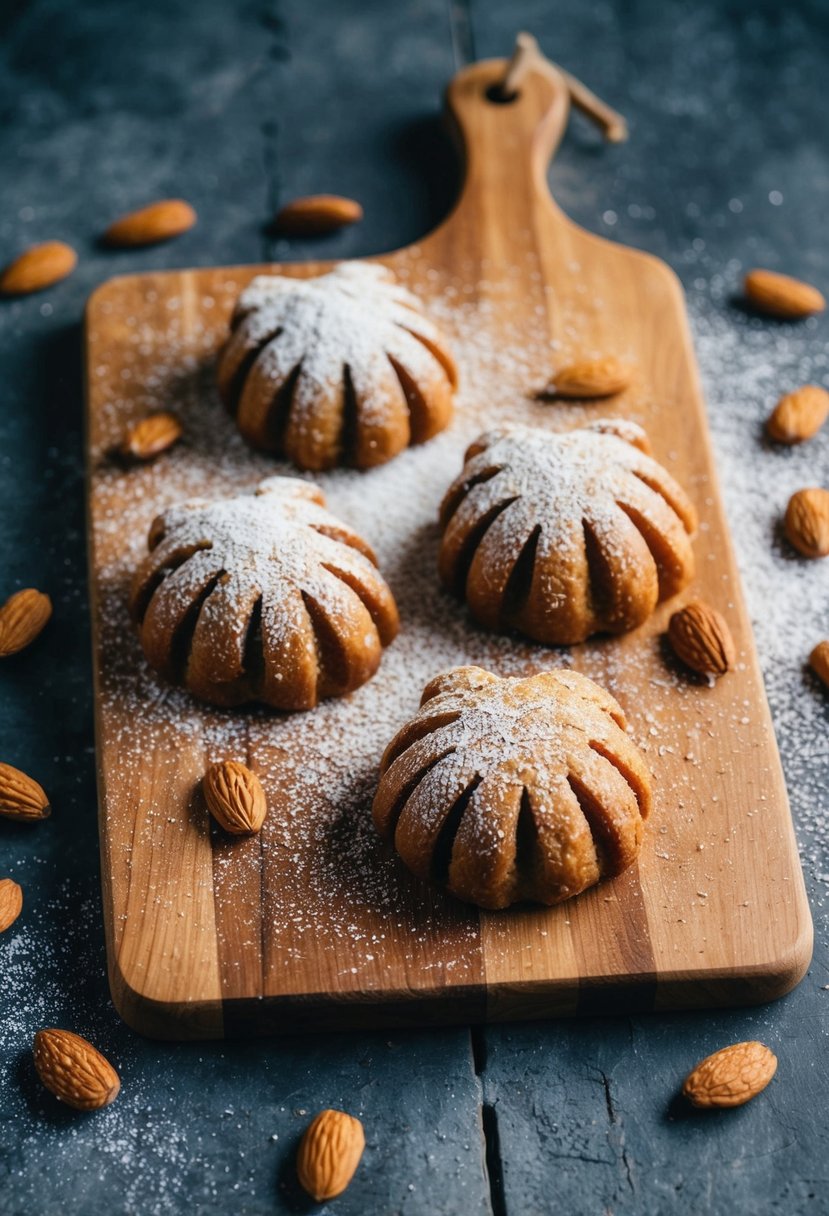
<point x="507" y="144"/>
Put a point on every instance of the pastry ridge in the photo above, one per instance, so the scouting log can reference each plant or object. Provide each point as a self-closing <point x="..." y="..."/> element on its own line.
<point x="343" y="368"/>
<point x="561" y="536"/>
<point x="505" y="790"/>
<point x="262" y="597"/>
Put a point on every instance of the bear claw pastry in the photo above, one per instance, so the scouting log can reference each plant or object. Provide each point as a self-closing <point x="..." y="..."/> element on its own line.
<point x="508" y="790"/>
<point x="339" y="369"/>
<point x="562" y="536"/>
<point x="263" y="597"/>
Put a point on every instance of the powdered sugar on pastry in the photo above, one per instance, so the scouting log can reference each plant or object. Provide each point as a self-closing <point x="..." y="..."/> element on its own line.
<point x="562" y="536"/>
<point x="514" y="789"/>
<point x="262" y="597"/>
<point x="343" y="368"/>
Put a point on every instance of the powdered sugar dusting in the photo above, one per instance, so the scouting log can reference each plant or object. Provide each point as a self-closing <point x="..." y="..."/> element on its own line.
<point x="485" y="756"/>
<point x="356" y="320"/>
<point x="327" y="880"/>
<point x="524" y="481"/>
<point x="747" y="364"/>
<point x="215" y="565"/>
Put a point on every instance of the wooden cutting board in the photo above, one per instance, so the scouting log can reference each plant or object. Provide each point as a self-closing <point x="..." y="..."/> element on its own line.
<point x="312" y="924"/>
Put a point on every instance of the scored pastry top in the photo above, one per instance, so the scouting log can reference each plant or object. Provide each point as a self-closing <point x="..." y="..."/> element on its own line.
<point x="264" y="597"/>
<point x="339" y="369"/>
<point x="565" y="535"/>
<point x="504" y="790"/>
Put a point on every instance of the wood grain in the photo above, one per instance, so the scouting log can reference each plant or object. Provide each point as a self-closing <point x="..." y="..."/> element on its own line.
<point x="208" y="936"/>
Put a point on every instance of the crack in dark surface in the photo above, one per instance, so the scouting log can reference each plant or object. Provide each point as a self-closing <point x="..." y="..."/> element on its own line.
<point x="479" y="1049"/>
<point x="615" y="1121"/>
<point x="492" y="1159"/>
<point x="461" y="32"/>
<point x="608" y="1097"/>
<point x="278" y="52"/>
<point x="491" y="1140"/>
<point x="628" y="1170"/>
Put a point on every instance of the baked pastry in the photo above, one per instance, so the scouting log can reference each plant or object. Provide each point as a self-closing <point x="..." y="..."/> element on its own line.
<point x="564" y="535"/>
<point x="264" y="597"/>
<point x="503" y="790"/>
<point x="340" y="369"/>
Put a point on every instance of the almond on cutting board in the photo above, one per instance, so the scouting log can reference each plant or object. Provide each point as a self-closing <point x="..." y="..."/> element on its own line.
<point x="21" y="797"/>
<point x="730" y="1077"/>
<point x="778" y="295"/>
<point x="316" y="215"/>
<point x="22" y="618"/>
<point x="799" y="415"/>
<point x="151" y="436"/>
<point x="74" y="1071"/>
<point x="590" y="379"/>
<point x="329" y="1154"/>
<point x="11" y="902"/>
<point x="235" y="797"/>
<point x="37" y="268"/>
<point x="806" y="522"/>
<point x="701" y="638"/>
<point x="159" y="221"/>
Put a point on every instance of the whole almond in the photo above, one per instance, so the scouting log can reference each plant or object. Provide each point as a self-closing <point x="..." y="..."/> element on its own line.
<point x="151" y="436"/>
<point x="806" y="522"/>
<point x="11" y="902"/>
<point x="799" y="415"/>
<point x="317" y="214"/>
<point x="329" y="1153"/>
<point x="590" y="379"/>
<point x="732" y="1076"/>
<point x="701" y="638"/>
<point x="158" y="222"/>
<point x="22" y="617"/>
<point x="20" y="797"/>
<point x="235" y="797"/>
<point x="74" y="1071"/>
<point x="778" y="295"/>
<point x="819" y="661"/>
<point x="38" y="267"/>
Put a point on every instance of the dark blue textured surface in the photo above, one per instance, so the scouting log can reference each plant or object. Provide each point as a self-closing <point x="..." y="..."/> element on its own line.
<point x="239" y="107"/>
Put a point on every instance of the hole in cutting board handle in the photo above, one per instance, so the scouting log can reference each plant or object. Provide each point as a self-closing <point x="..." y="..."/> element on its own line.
<point x="528" y="57"/>
<point x="497" y="94"/>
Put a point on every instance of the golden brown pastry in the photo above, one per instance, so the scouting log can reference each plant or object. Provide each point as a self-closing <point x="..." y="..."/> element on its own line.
<point x="264" y="597"/>
<point x="565" y="535"/>
<point x="340" y="369"/>
<point x="502" y="790"/>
